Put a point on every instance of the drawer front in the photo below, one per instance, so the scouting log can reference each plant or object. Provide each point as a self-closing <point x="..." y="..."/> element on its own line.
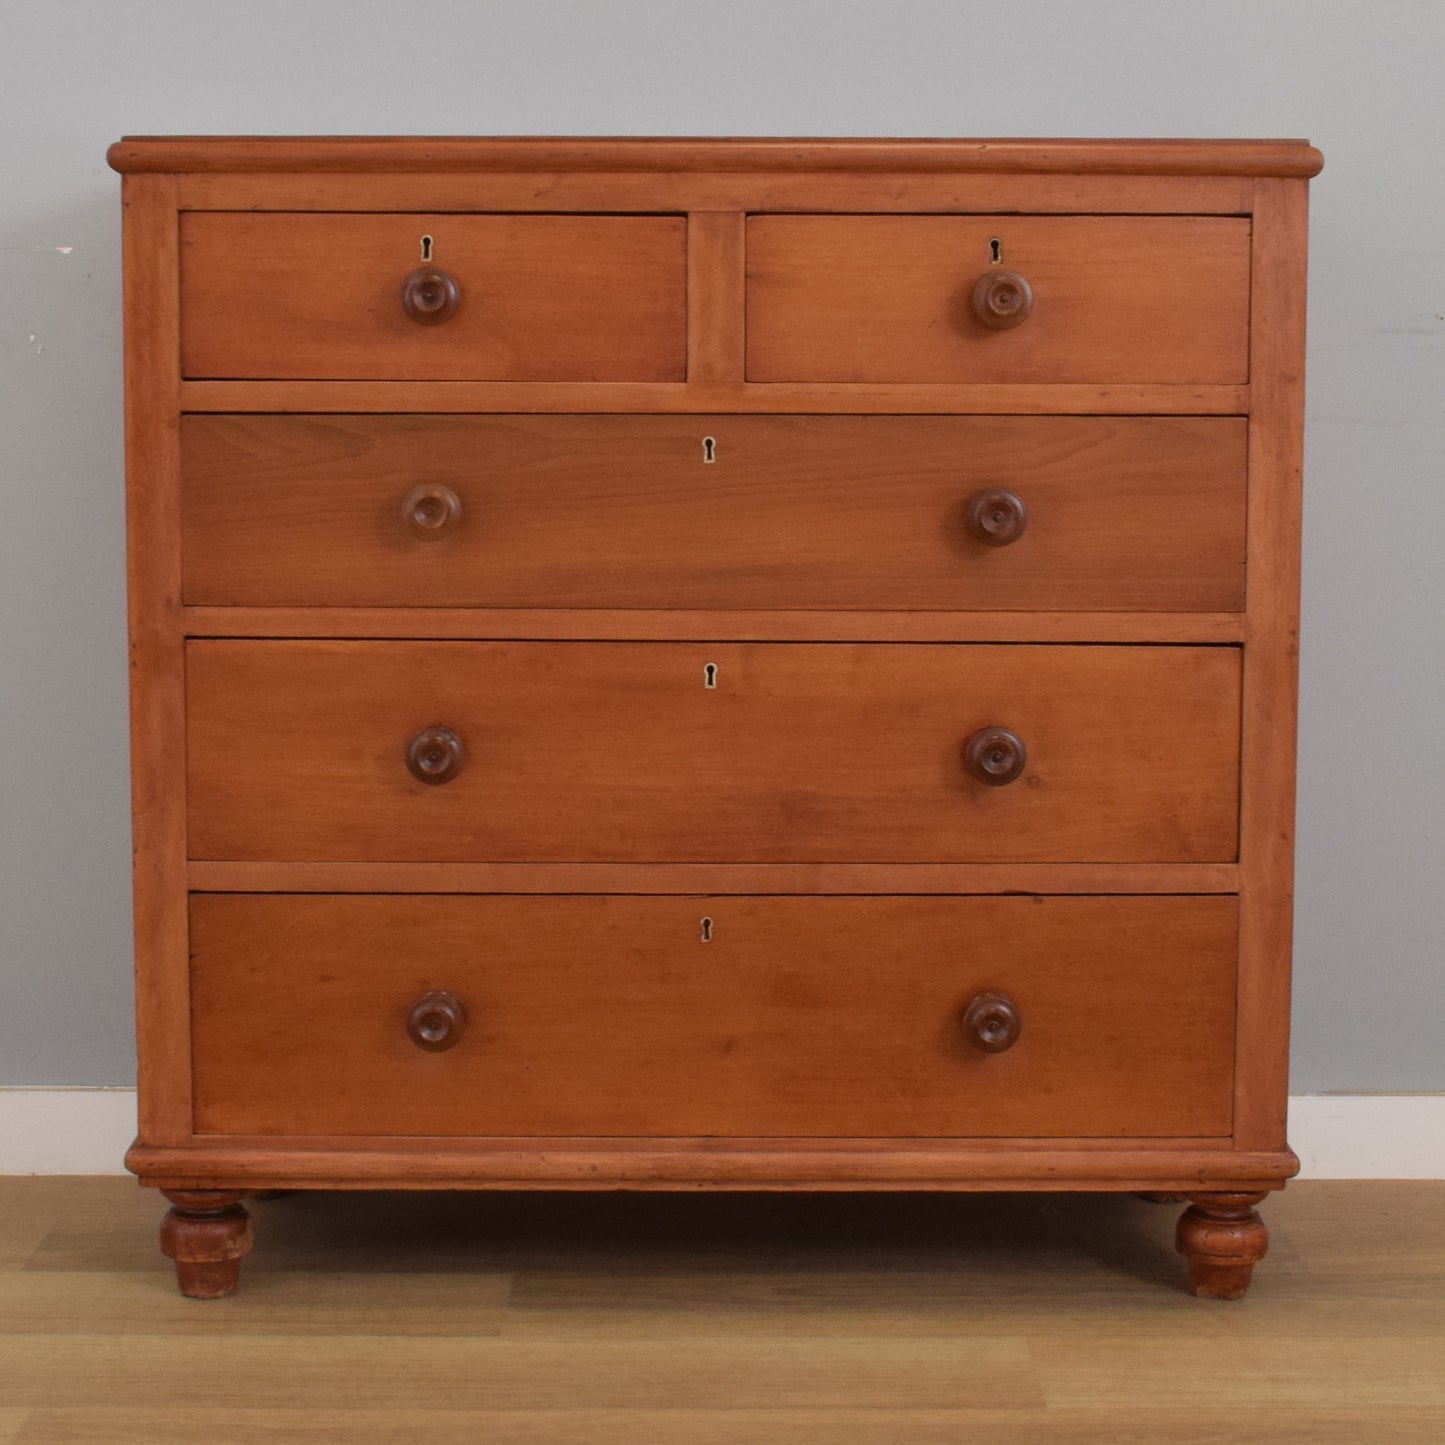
<point x="736" y="752"/>
<point x="539" y="298"/>
<point x="800" y="1016"/>
<point x="891" y="298"/>
<point x="1107" y="513"/>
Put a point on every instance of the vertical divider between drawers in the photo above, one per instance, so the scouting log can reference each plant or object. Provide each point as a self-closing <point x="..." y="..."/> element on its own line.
<point x="715" y="296"/>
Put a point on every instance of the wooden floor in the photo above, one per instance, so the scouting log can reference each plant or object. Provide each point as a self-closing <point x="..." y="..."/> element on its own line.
<point x="722" y="1320"/>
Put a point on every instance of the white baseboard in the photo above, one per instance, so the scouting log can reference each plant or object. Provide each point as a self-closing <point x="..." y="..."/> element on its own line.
<point x="65" y="1131"/>
<point x="1368" y="1136"/>
<point x="1337" y="1136"/>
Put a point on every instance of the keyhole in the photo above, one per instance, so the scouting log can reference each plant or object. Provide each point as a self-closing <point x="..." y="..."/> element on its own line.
<point x="704" y="930"/>
<point x="426" y="245"/>
<point x="709" y="675"/>
<point x="709" y="450"/>
<point x="995" y="250"/>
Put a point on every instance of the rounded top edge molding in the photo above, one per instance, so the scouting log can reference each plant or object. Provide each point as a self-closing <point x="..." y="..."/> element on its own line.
<point x="189" y="154"/>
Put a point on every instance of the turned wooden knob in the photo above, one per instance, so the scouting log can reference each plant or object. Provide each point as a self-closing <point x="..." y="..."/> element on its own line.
<point x="991" y="1022"/>
<point x="430" y="295"/>
<point x="436" y="1020"/>
<point x="432" y="511"/>
<point x="997" y="516"/>
<point x="1002" y="299"/>
<point x="995" y="756"/>
<point x="435" y="755"/>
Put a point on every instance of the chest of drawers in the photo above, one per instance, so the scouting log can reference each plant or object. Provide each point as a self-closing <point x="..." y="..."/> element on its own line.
<point x="713" y="665"/>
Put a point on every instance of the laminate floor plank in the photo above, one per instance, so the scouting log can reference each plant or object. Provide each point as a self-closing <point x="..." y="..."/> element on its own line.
<point x="390" y="1371"/>
<point x="32" y="1206"/>
<point x="186" y="1425"/>
<point x="128" y="1302"/>
<point x="106" y="1222"/>
<point x="1365" y="1232"/>
<point x="919" y="1305"/>
<point x="1384" y="1372"/>
<point x="113" y="1225"/>
<point x="704" y="1319"/>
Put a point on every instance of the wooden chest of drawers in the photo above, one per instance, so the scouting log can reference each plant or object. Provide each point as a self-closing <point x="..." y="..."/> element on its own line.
<point x="713" y="665"/>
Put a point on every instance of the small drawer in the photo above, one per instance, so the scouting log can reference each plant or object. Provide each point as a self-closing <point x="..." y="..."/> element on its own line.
<point x="703" y="752"/>
<point x="744" y="1017"/>
<point x="1070" y="299"/>
<point x="505" y="297"/>
<point x="1106" y="513"/>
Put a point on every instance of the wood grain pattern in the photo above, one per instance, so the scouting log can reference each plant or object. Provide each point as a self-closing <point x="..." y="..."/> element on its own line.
<point x="798" y="1017"/>
<point x="619" y="752"/>
<point x="1272" y="663"/>
<point x="883" y="298"/>
<point x="850" y="192"/>
<point x="544" y="298"/>
<point x="329" y="1302"/>
<point x="541" y="1164"/>
<point x="652" y="625"/>
<point x="798" y="878"/>
<point x="1124" y="513"/>
<point x="628" y="153"/>
<point x="1398" y="1376"/>
<point x="715" y="290"/>
<point x="157" y="664"/>
<point x="845" y="398"/>
<point x="522" y="1374"/>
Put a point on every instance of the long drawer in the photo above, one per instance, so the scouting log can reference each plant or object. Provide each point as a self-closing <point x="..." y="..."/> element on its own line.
<point x="326" y="1015"/>
<point x="1066" y="298"/>
<point x="736" y="752"/>
<point x="535" y="297"/>
<point x="1107" y="513"/>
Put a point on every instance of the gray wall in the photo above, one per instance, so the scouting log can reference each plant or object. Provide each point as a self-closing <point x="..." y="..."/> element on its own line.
<point x="1362" y="80"/>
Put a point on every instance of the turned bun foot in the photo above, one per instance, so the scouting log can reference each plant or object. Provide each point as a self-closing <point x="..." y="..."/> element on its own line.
<point x="207" y="1233"/>
<point x="1222" y="1238"/>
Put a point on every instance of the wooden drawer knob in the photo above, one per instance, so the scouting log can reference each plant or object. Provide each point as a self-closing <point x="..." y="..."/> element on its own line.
<point x="432" y="511"/>
<point x="1002" y="299"/>
<point x="435" y="755"/>
<point x="436" y="1020"/>
<point x="997" y="516"/>
<point x="991" y="1022"/>
<point x="430" y="295"/>
<point x="995" y="756"/>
